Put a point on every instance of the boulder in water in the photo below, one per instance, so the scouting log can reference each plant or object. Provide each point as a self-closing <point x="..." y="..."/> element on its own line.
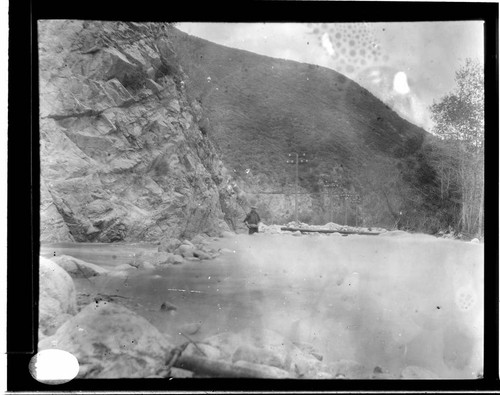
<point x="57" y="300"/>
<point x="191" y="328"/>
<point x="266" y="370"/>
<point x="188" y="243"/>
<point x="267" y="348"/>
<point x="51" y="327"/>
<point x="226" y="342"/>
<point x="111" y="341"/>
<point x="167" y="306"/>
<point x="323" y="375"/>
<point x="200" y="239"/>
<point x="178" y="373"/>
<point x="169" y="245"/>
<point x="332" y="226"/>
<point x="161" y="258"/>
<point x="396" y="233"/>
<point x="124" y="267"/>
<point x="146" y="266"/>
<point x="185" y="250"/>
<point x="309" y="349"/>
<point x="381" y="374"/>
<point x="176" y="259"/>
<point x="417" y="372"/>
<point x="118" y="274"/>
<point x="203" y="350"/>
<point x="202" y="254"/>
<point x="349" y="369"/>
<point x="78" y="268"/>
<point x="258" y="356"/>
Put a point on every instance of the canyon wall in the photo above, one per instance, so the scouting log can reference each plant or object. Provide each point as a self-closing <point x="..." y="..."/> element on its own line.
<point x="122" y="156"/>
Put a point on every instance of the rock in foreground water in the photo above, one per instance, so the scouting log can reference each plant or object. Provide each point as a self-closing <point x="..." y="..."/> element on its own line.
<point x="266" y="370"/>
<point x="57" y="296"/>
<point x="349" y="369"/>
<point x="270" y="350"/>
<point x="78" y="268"/>
<point x="169" y="245"/>
<point x="417" y="372"/>
<point x="111" y="341"/>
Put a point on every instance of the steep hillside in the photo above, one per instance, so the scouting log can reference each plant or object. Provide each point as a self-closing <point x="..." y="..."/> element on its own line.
<point x="122" y="155"/>
<point x="259" y="109"/>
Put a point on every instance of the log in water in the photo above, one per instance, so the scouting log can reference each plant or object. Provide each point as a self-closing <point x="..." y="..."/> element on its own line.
<point x="344" y="232"/>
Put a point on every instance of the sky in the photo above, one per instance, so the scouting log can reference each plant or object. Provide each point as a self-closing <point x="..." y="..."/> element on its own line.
<point x="408" y="65"/>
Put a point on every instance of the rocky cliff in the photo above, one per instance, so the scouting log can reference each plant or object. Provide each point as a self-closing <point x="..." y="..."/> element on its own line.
<point x="122" y="154"/>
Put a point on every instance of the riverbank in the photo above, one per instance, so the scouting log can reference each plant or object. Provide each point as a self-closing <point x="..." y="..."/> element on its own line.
<point x="388" y="301"/>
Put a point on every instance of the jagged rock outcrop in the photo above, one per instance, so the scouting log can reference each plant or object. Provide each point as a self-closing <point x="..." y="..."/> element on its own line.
<point x="122" y="155"/>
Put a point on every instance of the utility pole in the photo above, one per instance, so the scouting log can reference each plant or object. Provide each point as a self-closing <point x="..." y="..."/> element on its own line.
<point x="349" y="196"/>
<point x="357" y="201"/>
<point x="296" y="162"/>
<point x="331" y="186"/>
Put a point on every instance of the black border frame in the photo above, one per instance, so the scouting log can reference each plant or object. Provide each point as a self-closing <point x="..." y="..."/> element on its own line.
<point x="24" y="180"/>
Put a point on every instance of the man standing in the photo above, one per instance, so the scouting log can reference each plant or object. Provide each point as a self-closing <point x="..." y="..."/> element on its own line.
<point x="252" y="221"/>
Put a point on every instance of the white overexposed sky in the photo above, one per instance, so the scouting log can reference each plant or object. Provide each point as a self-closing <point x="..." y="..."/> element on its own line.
<point x="406" y="64"/>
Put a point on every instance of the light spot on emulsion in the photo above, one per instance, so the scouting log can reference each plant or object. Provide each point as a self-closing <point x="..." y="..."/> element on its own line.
<point x="400" y="83"/>
<point x="327" y="44"/>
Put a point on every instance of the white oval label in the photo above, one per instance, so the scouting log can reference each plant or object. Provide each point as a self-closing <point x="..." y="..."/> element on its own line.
<point x="54" y="366"/>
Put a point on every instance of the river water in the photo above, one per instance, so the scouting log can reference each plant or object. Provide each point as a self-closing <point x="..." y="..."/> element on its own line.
<point x="381" y="301"/>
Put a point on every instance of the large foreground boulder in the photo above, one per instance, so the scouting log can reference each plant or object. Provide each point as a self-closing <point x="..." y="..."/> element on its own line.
<point x="78" y="268"/>
<point x="111" y="341"/>
<point x="57" y="300"/>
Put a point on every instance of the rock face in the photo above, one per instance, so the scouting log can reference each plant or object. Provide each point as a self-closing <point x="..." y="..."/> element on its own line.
<point x="111" y="341"/>
<point x="122" y="155"/>
<point x="57" y="300"/>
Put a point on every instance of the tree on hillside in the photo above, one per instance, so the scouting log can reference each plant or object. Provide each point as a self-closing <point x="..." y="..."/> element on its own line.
<point x="459" y="122"/>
